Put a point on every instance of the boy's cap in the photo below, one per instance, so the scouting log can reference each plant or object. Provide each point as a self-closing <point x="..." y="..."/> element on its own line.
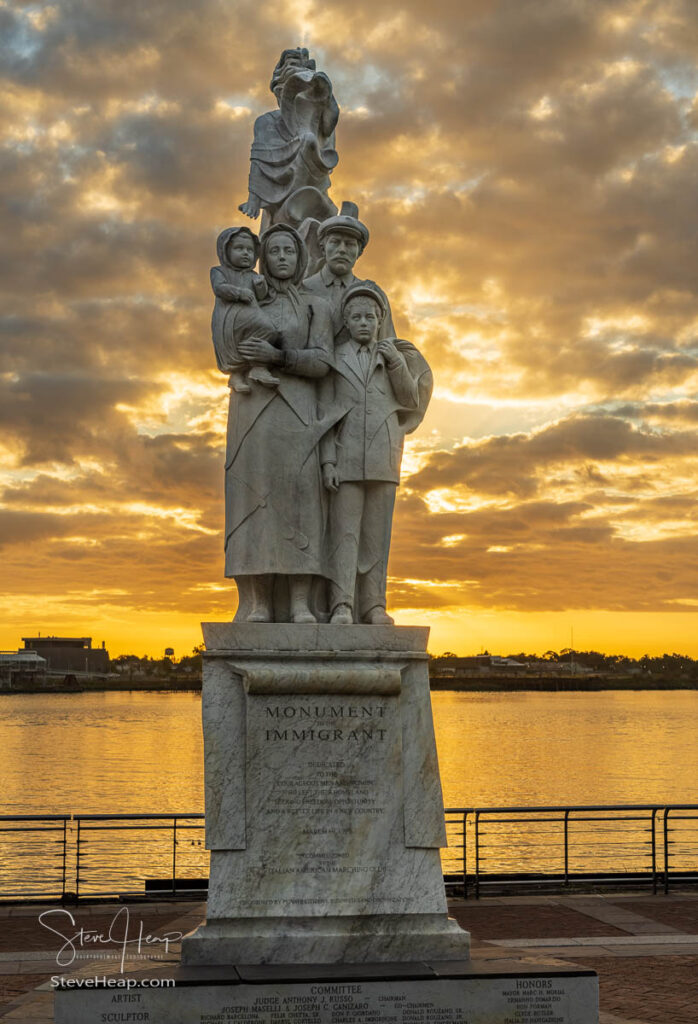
<point x="368" y="290"/>
<point x="347" y="220"/>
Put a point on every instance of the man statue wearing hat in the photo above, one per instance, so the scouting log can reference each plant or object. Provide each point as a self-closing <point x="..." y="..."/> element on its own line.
<point x="342" y="239"/>
<point x="382" y="386"/>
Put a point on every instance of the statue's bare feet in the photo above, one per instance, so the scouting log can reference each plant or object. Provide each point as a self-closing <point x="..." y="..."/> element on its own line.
<point x="250" y="208"/>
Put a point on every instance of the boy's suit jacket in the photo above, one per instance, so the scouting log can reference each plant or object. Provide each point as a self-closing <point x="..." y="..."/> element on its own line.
<point x="367" y="442"/>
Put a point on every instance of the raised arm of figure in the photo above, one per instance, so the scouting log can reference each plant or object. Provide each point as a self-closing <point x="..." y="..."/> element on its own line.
<point x="228" y="292"/>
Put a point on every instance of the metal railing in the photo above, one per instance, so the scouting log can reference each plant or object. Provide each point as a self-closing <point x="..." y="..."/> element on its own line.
<point x="39" y="856"/>
<point x="570" y="845"/>
<point x="103" y="869"/>
<point x="684" y="844"/>
<point x="88" y="856"/>
<point x="100" y="855"/>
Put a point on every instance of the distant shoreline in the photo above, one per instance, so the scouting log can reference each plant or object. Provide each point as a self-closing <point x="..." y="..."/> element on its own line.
<point x="481" y="684"/>
<point x="571" y="683"/>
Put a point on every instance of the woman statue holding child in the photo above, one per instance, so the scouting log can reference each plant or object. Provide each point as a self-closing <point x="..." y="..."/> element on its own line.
<point x="275" y="341"/>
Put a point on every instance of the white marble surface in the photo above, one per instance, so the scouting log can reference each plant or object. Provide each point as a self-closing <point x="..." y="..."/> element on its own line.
<point x="323" y="797"/>
<point x="362" y="939"/>
<point x="325" y="815"/>
<point x="319" y="639"/>
<point x="223" y="717"/>
<point x="556" y="999"/>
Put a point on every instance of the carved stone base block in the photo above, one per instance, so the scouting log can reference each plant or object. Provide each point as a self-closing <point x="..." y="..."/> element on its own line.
<point x="500" y="992"/>
<point x="324" y="813"/>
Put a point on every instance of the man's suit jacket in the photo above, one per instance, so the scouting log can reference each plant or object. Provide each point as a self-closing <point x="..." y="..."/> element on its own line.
<point x="328" y="287"/>
<point x="367" y="442"/>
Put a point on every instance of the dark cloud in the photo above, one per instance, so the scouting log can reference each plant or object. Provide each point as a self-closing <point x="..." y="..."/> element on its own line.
<point x="29" y="527"/>
<point x="510" y="464"/>
<point x="506" y="559"/>
<point x="58" y="417"/>
<point x="685" y="409"/>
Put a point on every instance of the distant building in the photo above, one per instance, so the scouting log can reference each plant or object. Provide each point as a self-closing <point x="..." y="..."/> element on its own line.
<point x="18" y="667"/>
<point x="69" y="653"/>
<point x="477" y="665"/>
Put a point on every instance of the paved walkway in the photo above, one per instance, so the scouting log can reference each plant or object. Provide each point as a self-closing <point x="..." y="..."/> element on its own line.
<point x="644" y="948"/>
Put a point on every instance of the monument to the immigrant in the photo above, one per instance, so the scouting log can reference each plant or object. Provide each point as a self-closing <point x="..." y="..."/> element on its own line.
<point x="324" y="813"/>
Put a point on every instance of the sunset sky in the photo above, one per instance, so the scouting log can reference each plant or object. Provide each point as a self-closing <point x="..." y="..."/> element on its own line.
<point x="528" y="170"/>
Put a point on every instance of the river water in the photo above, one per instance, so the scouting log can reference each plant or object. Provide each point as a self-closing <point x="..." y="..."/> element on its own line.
<point x="142" y="752"/>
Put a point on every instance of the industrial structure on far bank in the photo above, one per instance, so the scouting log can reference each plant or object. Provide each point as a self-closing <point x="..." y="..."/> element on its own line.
<point x="44" y="656"/>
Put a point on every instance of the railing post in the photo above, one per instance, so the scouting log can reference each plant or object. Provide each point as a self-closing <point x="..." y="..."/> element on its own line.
<point x="654" y="852"/>
<point x="174" y="854"/>
<point x="465" y="855"/>
<point x="567" y="846"/>
<point x="65" y="856"/>
<point x="477" y="855"/>
<point x="77" y="861"/>
<point x="666" y="850"/>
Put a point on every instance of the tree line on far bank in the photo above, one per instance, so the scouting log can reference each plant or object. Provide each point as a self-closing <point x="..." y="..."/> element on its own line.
<point x="135" y="666"/>
<point x="664" y="665"/>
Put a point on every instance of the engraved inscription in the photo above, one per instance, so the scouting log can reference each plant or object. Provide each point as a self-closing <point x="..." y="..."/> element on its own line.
<point x="321" y="805"/>
<point x="535" y="1001"/>
<point x="556" y="999"/>
<point x="320" y="722"/>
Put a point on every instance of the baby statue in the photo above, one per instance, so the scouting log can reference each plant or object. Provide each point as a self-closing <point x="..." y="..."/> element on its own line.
<point x="233" y="282"/>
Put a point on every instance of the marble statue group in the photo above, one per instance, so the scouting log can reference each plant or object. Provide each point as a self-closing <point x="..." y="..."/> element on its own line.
<point x="322" y="393"/>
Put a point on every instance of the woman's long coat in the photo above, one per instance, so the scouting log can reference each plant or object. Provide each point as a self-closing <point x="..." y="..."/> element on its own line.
<point x="274" y="498"/>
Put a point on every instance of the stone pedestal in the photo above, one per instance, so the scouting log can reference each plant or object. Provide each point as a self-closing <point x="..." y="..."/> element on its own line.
<point x="471" y="992"/>
<point x="324" y="813"/>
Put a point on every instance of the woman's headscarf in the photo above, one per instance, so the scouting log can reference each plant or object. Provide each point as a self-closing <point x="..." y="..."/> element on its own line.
<point x="227" y="236"/>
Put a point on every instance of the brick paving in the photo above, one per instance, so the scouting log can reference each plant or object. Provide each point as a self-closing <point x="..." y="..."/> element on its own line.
<point x="28" y="950"/>
<point x="485" y="921"/>
<point x="654" y="990"/>
<point x="680" y="913"/>
<point x="644" y="948"/>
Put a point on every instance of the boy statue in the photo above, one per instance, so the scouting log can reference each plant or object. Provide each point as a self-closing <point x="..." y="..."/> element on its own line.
<point x="384" y="387"/>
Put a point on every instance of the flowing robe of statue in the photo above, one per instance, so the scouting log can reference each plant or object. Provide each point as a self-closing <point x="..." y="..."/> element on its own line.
<point x="293" y="150"/>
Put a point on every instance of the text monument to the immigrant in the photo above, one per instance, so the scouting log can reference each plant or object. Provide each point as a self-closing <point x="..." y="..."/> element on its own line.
<point x="324" y="813"/>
